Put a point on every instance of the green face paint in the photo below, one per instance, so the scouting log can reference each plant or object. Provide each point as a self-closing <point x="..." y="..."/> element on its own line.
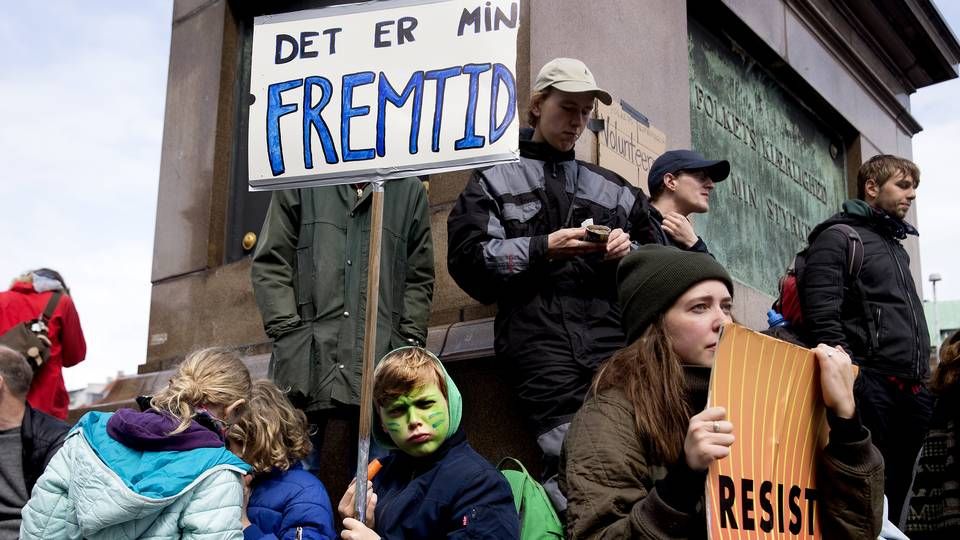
<point x="417" y="421"/>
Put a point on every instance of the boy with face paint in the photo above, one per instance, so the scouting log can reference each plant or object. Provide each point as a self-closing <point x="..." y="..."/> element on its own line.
<point x="433" y="484"/>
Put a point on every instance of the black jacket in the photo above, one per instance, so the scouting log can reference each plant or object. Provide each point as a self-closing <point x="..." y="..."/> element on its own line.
<point x="41" y="435"/>
<point x="664" y="239"/>
<point x="452" y="493"/>
<point x="879" y="320"/>
<point x="557" y="320"/>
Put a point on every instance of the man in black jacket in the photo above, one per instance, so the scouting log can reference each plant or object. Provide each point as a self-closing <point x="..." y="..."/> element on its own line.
<point x="680" y="182"/>
<point x="28" y="439"/>
<point x="517" y="237"/>
<point x="877" y="316"/>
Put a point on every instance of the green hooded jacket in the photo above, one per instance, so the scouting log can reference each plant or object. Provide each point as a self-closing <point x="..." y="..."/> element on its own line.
<point x="310" y="277"/>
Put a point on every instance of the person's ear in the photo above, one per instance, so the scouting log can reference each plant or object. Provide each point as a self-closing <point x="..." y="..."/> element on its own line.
<point x="232" y="408"/>
<point x="535" y="106"/>
<point x="670" y="182"/>
<point x="871" y="189"/>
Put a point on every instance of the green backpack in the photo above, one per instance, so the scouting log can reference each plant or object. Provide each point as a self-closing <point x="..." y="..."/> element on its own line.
<point x="538" y="520"/>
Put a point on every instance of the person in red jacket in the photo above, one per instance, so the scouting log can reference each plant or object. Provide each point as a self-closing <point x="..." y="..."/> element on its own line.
<point x="25" y="301"/>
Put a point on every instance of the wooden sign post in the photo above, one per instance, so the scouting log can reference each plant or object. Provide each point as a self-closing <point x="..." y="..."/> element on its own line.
<point x="369" y="347"/>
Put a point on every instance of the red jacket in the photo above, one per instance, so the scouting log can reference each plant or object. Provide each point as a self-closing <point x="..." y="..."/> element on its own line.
<point x="22" y="303"/>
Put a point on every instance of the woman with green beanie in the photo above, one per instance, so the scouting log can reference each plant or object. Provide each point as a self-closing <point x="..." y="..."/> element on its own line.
<point x="634" y="462"/>
<point x="433" y="485"/>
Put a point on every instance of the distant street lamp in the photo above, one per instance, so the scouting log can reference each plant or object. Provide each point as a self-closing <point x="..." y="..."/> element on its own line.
<point x="934" y="278"/>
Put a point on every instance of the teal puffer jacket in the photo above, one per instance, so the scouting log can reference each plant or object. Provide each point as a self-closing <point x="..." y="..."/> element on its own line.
<point x="97" y="488"/>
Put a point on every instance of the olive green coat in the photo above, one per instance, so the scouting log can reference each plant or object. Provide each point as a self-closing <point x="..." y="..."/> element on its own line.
<point x="614" y="488"/>
<point x="310" y="279"/>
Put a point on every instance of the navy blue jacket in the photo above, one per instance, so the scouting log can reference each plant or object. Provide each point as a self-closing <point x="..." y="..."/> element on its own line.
<point x="284" y="502"/>
<point x="452" y="493"/>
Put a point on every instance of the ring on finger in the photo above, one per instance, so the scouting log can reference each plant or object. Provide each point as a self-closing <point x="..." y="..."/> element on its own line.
<point x="716" y="427"/>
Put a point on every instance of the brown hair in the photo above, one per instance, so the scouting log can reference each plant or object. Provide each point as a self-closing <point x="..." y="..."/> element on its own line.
<point x="212" y="376"/>
<point x="536" y="97"/>
<point x="881" y="168"/>
<point x="948" y="372"/>
<point x="272" y="434"/>
<point x="649" y="373"/>
<point x="16" y="372"/>
<point x="403" y="370"/>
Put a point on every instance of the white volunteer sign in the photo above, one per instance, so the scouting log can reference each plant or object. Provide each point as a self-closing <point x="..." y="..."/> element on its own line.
<point x="382" y="90"/>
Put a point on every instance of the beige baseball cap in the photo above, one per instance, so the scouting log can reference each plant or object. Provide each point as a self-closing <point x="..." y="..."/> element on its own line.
<point x="570" y="75"/>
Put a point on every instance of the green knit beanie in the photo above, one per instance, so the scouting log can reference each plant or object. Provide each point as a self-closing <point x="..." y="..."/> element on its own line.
<point x="650" y="279"/>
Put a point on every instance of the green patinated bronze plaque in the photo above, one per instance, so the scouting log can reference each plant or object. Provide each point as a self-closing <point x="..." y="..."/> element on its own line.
<point x="787" y="168"/>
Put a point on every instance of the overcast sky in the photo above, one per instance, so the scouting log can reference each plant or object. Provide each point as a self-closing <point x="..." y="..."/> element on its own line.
<point x="82" y="88"/>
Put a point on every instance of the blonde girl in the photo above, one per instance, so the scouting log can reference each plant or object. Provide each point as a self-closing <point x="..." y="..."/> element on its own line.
<point x="161" y="473"/>
<point x="284" y="501"/>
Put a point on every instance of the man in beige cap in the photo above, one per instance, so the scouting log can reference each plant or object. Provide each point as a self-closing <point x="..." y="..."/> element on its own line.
<point x="518" y="237"/>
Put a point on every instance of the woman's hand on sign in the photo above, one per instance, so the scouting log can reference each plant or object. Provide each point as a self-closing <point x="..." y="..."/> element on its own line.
<point x="568" y="243"/>
<point x="709" y="437"/>
<point x="836" y="380"/>
<point x="348" y="503"/>
<point x="354" y="530"/>
<point x="618" y="245"/>
<point x="680" y="229"/>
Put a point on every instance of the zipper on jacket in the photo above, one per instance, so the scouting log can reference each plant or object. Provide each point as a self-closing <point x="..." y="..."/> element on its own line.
<point x="299" y="533"/>
<point x="878" y="325"/>
<point x="913" y="310"/>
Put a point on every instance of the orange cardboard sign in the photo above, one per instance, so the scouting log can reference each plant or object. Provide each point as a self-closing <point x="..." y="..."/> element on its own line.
<point x="766" y="487"/>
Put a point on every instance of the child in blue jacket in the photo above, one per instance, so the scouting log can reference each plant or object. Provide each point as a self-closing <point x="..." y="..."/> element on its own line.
<point x="433" y="485"/>
<point x="284" y="501"/>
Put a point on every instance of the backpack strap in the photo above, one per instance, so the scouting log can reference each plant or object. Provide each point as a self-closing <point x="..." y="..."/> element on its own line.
<point x="854" y="250"/>
<point x="51" y="306"/>
<point x="852" y="282"/>
<point x="511" y="463"/>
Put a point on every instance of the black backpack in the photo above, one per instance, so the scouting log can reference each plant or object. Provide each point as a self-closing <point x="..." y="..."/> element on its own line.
<point x="788" y="302"/>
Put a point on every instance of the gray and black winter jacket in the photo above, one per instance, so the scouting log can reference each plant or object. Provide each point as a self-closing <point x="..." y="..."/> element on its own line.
<point x="557" y="320"/>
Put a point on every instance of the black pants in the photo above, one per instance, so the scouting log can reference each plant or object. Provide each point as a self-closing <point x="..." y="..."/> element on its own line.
<point x="346" y="420"/>
<point x="897" y="413"/>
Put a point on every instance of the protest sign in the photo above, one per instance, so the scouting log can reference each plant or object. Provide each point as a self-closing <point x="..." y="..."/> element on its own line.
<point x="766" y="487"/>
<point x="627" y="144"/>
<point x="382" y="90"/>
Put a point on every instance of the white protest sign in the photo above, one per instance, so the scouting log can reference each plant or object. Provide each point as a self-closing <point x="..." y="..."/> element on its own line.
<point x="382" y="90"/>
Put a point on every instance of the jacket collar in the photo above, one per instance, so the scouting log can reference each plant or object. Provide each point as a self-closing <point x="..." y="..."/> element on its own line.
<point x="27" y="431"/>
<point x="150" y="430"/>
<point x="698" y="385"/>
<point x="23" y="287"/>
<point x="421" y="464"/>
<point x="544" y="152"/>
<point x="893" y="226"/>
<point x="364" y="195"/>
